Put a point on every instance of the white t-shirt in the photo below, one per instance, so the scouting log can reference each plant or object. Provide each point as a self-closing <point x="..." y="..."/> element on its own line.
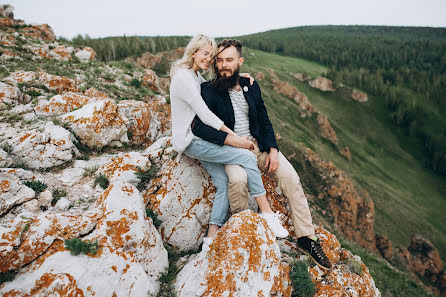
<point x="241" y="109"/>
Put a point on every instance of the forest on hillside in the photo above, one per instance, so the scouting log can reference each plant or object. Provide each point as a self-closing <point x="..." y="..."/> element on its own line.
<point x="404" y="65"/>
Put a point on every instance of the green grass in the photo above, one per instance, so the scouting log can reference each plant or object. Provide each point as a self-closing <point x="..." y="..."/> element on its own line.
<point x="77" y="246"/>
<point x="57" y="194"/>
<point x="102" y="180"/>
<point x="36" y="185"/>
<point x="301" y="280"/>
<point x="408" y="197"/>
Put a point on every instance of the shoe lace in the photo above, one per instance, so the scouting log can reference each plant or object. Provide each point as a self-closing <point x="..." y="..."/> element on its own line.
<point x="318" y="249"/>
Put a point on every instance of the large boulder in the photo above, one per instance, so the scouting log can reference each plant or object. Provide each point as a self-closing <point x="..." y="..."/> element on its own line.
<point x="39" y="32"/>
<point x="52" y="82"/>
<point x="60" y="104"/>
<point x="97" y="123"/>
<point x="54" y="146"/>
<point x="243" y="260"/>
<point x="323" y="84"/>
<point x="139" y="115"/>
<point x="359" y="96"/>
<point x="130" y="259"/>
<point x="326" y="129"/>
<point x="86" y="54"/>
<point x="12" y="192"/>
<point x="10" y="95"/>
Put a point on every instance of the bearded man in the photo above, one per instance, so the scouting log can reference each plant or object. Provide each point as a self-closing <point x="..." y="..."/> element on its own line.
<point x="240" y="106"/>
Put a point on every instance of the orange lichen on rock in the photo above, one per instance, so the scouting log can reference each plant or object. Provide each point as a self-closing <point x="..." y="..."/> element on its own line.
<point x="60" y="104"/>
<point x="139" y="115"/>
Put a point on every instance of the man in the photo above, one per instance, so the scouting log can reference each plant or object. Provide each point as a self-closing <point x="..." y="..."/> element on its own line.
<point x="241" y="108"/>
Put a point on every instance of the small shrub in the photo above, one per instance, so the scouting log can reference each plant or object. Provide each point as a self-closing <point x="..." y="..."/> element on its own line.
<point x="90" y="171"/>
<point x="36" y="185"/>
<point x="33" y="93"/>
<point x="301" y="280"/>
<point x="7" y="276"/>
<point x="102" y="180"/>
<point x="57" y="194"/>
<point x="135" y="83"/>
<point x="354" y="265"/>
<point x="76" y="246"/>
<point x="154" y="216"/>
<point x="7" y="148"/>
<point x="145" y="176"/>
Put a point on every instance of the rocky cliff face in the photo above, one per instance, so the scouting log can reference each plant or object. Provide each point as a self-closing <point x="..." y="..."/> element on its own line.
<point x="96" y="161"/>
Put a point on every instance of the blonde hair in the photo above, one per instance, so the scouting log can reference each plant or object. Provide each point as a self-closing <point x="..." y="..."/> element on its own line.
<point x="196" y="43"/>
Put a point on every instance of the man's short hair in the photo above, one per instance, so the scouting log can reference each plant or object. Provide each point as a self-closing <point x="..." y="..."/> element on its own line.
<point x="230" y="42"/>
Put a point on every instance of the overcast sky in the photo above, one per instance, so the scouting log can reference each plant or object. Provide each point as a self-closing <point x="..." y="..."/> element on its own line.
<point x="100" y="18"/>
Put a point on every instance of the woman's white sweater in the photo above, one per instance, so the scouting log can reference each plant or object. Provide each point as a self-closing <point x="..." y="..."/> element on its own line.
<point x="186" y="102"/>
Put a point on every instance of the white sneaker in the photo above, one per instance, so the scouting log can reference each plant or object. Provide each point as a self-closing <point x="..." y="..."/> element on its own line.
<point x="207" y="241"/>
<point x="272" y="219"/>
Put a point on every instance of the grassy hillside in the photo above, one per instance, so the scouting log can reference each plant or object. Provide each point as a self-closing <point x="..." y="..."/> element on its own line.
<point x="408" y="197"/>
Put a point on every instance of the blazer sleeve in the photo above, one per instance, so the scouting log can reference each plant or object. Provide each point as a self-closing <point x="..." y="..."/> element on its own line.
<point x="204" y="131"/>
<point x="266" y="128"/>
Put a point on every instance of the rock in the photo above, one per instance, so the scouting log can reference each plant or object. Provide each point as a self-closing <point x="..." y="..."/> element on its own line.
<point x="164" y="84"/>
<point x="139" y="115"/>
<point x="86" y="54"/>
<point x="160" y="123"/>
<point x="352" y="211"/>
<point x="182" y="197"/>
<point x="148" y="60"/>
<point x="292" y="92"/>
<point x="359" y="96"/>
<point x="7" y="11"/>
<point x="52" y="82"/>
<point x="124" y="166"/>
<point x="150" y="80"/>
<point x="346" y="153"/>
<point x="62" y="204"/>
<point x="71" y="176"/>
<point x="39" y="32"/>
<point x="129" y="261"/>
<point x="299" y="76"/>
<point x="29" y="116"/>
<point x="45" y="149"/>
<point x="93" y="93"/>
<point x="5" y="160"/>
<point x="97" y="123"/>
<point x="60" y="104"/>
<point x="45" y="198"/>
<point x="10" y="95"/>
<point x="325" y="128"/>
<point x="22" y="174"/>
<point x="21" y="109"/>
<point x="243" y="260"/>
<point x="259" y="76"/>
<point x="423" y="257"/>
<point x="322" y="84"/>
<point x="384" y="246"/>
<point x="32" y="206"/>
<point x="12" y="192"/>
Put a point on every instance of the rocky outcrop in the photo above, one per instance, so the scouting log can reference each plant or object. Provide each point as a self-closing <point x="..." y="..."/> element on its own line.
<point x="345" y="152"/>
<point x="139" y="116"/>
<point x="322" y="84"/>
<point x="97" y="123"/>
<point x="54" y="146"/>
<point x="12" y="192"/>
<point x="11" y="95"/>
<point x="292" y="92"/>
<point x="60" y="104"/>
<point x="52" y="82"/>
<point x="129" y="261"/>
<point x="325" y="128"/>
<point x="384" y="246"/>
<point x="149" y="60"/>
<point x="7" y="11"/>
<point x="352" y="211"/>
<point x="243" y="260"/>
<point x="359" y="96"/>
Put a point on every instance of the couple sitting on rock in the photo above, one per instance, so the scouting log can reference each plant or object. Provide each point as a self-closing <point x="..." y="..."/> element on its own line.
<point x="224" y="124"/>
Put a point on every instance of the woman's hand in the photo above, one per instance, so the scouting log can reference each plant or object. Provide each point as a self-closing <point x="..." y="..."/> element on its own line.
<point x="247" y="75"/>
<point x="240" y="142"/>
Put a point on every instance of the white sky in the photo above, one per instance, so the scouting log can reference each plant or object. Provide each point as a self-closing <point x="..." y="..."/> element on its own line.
<point x="100" y="18"/>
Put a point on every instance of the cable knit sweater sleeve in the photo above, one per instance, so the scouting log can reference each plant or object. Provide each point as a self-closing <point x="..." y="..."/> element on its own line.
<point x="188" y="89"/>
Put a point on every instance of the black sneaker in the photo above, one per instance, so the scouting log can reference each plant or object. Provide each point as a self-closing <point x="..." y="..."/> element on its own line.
<point x="313" y="249"/>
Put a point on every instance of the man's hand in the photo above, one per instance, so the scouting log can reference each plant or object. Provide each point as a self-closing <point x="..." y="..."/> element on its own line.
<point x="247" y="75"/>
<point x="272" y="160"/>
<point x="239" y="141"/>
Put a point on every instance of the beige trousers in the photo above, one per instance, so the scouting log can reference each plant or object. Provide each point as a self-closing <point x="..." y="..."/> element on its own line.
<point x="288" y="182"/>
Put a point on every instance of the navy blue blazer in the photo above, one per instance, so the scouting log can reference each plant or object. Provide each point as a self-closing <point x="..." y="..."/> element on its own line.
<point x="220" y="103"/>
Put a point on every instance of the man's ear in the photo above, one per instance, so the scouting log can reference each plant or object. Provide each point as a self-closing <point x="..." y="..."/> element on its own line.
<point x="241" y="60"/>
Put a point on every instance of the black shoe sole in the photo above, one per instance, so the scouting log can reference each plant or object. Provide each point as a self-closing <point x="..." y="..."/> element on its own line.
<point x="316" y="262"/>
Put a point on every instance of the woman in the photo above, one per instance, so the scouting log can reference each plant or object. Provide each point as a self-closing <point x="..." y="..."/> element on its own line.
<point x="186" y="103"/>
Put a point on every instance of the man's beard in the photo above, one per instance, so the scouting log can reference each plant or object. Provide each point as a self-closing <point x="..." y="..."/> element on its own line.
<point x="224" y="83"/>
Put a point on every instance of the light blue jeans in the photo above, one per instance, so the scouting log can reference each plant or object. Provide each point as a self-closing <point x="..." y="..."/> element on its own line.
<point x="213" y="157"/>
